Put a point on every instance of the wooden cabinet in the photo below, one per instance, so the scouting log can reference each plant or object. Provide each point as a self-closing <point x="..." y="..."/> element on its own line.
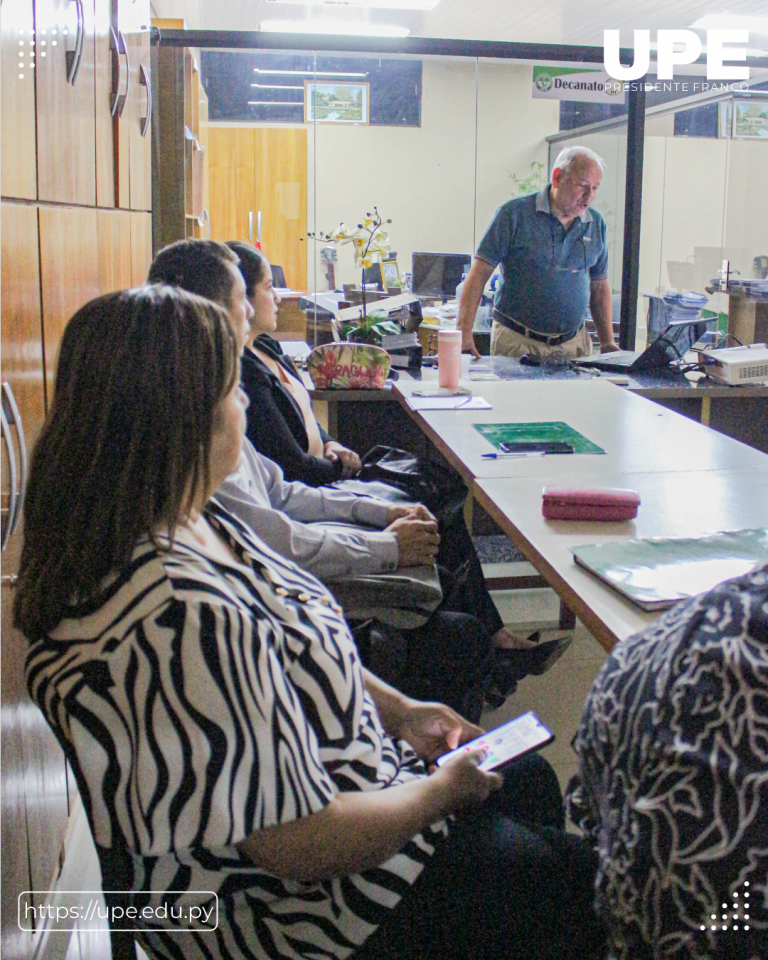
<point x="232" y="172"/>
<point x="179" y="156"/>
<point x="133" y="114"/>
<point x="65" y="106"/>
<point x="61" y="160"/>
<point x="69" y="273"/>
<point x="262" y="171"/>
<point x="34" y="808"/>
<point x="17" y="76"/>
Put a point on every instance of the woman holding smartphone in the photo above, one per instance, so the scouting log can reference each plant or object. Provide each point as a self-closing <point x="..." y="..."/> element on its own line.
<point x="210" y="699"/>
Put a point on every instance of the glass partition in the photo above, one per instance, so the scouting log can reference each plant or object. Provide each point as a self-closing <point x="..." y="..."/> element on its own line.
<point x="302" y="141"/>
<point x="704" y="199"/>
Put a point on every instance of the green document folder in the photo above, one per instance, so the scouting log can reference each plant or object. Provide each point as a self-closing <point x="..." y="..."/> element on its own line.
<point x="498" y="433"/>
<point x="658" y="573"/>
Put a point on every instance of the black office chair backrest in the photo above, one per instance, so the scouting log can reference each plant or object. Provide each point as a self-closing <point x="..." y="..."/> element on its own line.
<point x="278" y="277"/>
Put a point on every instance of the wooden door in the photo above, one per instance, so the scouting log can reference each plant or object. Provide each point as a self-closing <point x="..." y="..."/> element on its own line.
<point x="281" y="196"/>
<point x="113" y="229"/>
<point x="263" y="169"/>
<point x="34" y="798"/>
<point x="17" y="118"/>
<point x="134" y="19"/>
<point x="106" y="69"/>
<point x="66" y="125"/>
<point x="139" y="109"/>
<point x="141" y="247"/>
<point x="231" y="178"/>
<point x="70" y="272"/>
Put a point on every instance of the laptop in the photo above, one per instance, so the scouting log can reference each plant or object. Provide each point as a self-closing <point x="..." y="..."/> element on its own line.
<point x="674" y="341"/>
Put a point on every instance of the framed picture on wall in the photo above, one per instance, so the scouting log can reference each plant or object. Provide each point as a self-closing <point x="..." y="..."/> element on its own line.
<point x="336" y="102"/>
<point x="390" y="275"/>
<point x="751" y="120"/>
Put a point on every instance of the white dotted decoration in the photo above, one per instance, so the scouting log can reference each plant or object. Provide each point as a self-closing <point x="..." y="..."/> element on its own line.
<point x="739" y="913"/>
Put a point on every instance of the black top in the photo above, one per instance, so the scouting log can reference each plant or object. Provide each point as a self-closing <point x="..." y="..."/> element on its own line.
<point x="275" y="421"/>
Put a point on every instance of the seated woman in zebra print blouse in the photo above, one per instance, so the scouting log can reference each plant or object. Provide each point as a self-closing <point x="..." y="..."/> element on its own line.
<point x="209" y="696"/>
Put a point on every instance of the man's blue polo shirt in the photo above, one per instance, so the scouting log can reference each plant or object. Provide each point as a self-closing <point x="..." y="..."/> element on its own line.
<point x="545" y="270"/>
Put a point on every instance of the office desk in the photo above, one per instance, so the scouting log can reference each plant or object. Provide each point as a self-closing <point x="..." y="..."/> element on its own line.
<point x="674" y="504"/>
<point x="637" y="435"/>
<point x="738" y="412"/>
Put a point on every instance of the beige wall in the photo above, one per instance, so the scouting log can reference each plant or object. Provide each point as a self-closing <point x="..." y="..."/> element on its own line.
<point x="423" y="178"/>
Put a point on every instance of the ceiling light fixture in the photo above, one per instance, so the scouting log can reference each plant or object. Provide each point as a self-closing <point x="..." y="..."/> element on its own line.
<point x="309" y="73"/>
<point x="334" y="28"/>
<point x="380" y="4"/>
<point x="275" y="103"/>
<point x="727" y="21"/>
<point x="275" y="86"/>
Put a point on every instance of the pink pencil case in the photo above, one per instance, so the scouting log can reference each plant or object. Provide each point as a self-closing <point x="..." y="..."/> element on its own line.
<point x="589" y="503"/>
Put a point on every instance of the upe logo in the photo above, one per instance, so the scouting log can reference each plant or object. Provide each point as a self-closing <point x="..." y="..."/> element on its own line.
<point x="544" y="82"/>
<point x="667" y="56"/>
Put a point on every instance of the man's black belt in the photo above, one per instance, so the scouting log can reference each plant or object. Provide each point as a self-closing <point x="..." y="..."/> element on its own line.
<point x="551" y="340"/>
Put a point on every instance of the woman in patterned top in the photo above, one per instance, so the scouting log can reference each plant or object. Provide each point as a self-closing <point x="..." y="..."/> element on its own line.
<point x="208" y="694"/>
<point x="673" y="781"/>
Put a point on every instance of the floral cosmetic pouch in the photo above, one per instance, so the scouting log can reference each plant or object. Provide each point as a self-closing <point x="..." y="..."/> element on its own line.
<point x="348" y="366"/>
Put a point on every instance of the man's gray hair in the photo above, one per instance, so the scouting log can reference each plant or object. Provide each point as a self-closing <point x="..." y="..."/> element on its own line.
<point x="568" y="156"/>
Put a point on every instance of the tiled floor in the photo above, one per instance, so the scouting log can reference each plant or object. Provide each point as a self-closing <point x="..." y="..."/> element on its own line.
<point x="558" y="696"/>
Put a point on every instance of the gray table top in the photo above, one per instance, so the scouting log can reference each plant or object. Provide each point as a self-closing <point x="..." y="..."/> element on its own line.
<point x="636" y="434"/>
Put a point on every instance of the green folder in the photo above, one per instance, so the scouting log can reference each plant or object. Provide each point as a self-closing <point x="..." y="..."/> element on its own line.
<point x="657" y="573"/>
<point x="498" y="433"/>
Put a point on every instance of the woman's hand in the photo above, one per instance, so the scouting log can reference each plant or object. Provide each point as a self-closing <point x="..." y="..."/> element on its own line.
<point x="433" y="729"/>
<point x="466" y="783"/>
<point x="350" y="462"/>
<point x="411" y="511"/>
<point x="417" y="541"/>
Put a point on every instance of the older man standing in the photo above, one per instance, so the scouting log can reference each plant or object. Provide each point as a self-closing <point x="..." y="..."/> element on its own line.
<point x="554" y="258"/>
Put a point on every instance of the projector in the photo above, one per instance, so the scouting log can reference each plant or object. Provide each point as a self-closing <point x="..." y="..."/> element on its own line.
<point x="736" y="365"/>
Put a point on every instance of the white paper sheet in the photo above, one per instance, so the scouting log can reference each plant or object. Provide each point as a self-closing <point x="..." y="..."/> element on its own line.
<point x="449" y="403"/>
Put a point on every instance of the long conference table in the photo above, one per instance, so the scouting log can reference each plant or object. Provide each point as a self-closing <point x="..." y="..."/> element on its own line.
<point x="692" y="480"/>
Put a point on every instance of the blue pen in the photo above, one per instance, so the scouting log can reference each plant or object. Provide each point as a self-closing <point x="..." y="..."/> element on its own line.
<point x="509" y="456"/>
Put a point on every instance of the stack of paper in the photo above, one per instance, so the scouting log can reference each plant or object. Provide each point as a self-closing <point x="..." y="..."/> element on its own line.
<point x="684" y="307"/>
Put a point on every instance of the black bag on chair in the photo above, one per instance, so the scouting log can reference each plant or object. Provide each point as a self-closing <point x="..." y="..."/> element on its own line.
<point x="400" y="476"/>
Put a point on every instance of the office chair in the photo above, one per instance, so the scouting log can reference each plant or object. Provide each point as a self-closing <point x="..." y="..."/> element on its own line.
<point x="278" y="277"/>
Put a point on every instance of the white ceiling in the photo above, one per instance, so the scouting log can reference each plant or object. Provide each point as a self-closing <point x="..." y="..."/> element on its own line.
<point x="534" y="21"/>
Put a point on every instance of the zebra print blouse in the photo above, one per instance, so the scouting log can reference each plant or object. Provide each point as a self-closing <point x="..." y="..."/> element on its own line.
<point x="673" y="781"/>
<point x="201" y="702"/>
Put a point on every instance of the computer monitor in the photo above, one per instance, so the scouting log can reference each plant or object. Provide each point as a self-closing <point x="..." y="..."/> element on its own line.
<point x="438" y="274"/>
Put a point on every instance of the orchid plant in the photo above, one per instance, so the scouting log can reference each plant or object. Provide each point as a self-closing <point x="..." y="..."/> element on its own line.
<point x="369" y="239"/>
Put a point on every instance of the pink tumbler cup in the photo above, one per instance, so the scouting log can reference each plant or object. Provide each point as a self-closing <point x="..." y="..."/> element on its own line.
<point x="449" y="358"/>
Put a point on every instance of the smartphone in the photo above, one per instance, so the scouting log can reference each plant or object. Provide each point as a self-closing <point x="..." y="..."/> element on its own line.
<point x="536" y="446"/>
<point x="507" y="742"/>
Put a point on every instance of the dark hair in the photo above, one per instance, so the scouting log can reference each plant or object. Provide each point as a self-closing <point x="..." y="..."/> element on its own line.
<point x="199" y="266"/>
<point x="253" y="264"/>
<point x="138" y="380"/>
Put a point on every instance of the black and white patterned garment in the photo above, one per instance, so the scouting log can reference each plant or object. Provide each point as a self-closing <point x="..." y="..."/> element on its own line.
<point x="205" y="701"/>
<point x="673" y="782"/>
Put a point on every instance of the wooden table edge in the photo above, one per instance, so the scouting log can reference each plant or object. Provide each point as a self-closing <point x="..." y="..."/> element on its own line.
<point x="605" y="637"/>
